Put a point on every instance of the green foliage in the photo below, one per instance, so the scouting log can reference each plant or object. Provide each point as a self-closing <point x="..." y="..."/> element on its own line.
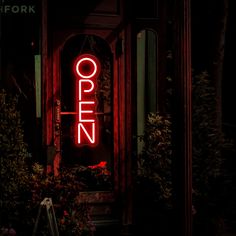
<point x="72" y="216"/>
<point x="22" y="188"/>
<point x="207" y="157"/>
<point x="13" y="153"/>
<point x="207" y="138"/>
<point x="154" y="164"/>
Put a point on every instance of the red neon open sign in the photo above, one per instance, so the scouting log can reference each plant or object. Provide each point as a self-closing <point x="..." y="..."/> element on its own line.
<point x="86" y="68"/>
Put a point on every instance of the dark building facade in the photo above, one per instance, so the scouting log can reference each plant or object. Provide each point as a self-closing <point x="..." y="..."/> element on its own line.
<point x="88" y="73"/>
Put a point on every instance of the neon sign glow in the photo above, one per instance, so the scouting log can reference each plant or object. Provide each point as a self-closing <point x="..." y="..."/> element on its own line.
<point x="86" y="68"/>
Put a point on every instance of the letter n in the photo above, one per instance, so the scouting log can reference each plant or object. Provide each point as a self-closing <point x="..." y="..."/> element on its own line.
<point x="86" y="133"/>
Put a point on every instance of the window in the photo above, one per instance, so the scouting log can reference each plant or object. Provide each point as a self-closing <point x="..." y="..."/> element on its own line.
<point x="87" y="156"/>
<point x="147" y="81"/>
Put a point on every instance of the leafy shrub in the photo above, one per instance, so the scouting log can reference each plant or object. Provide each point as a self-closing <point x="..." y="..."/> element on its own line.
<point x="207" y="156"/>
<point x="72" y="216"/>
<point x="154" y="163"/>
<point x="207" y="139"/>
<point x="23" y="187"/>
<point x="14" y="159"/>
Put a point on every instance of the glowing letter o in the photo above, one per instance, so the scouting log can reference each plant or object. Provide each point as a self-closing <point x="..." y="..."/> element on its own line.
<point x="91" y="62"/>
